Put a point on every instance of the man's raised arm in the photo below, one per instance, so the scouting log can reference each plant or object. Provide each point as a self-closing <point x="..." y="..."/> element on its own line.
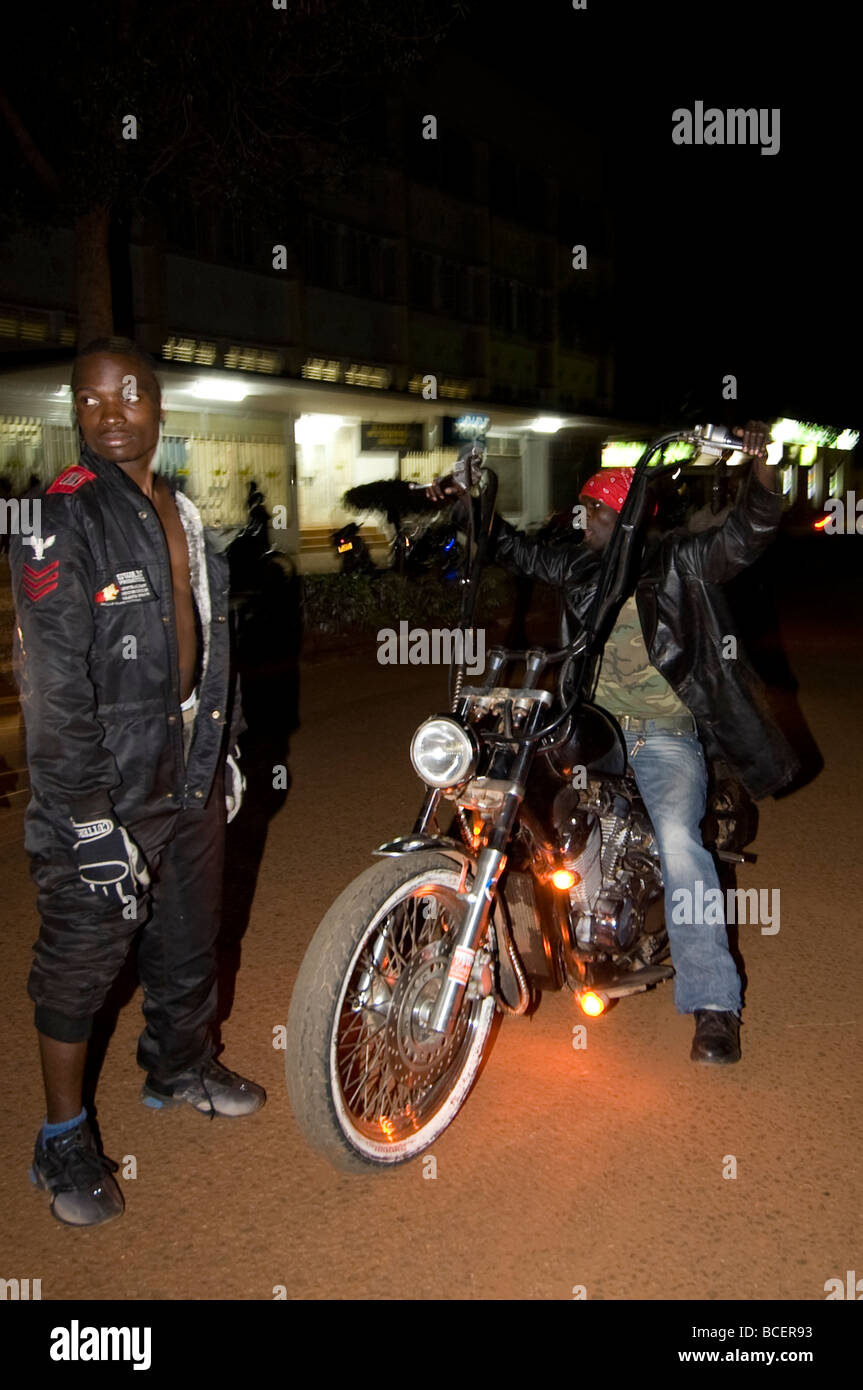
<point x="718" y="555"/>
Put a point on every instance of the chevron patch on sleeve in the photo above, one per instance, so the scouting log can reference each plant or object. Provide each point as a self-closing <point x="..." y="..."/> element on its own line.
<point x="37" y="583"/>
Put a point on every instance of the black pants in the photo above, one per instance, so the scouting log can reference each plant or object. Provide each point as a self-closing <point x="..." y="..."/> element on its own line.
<point x="84" y="937"/>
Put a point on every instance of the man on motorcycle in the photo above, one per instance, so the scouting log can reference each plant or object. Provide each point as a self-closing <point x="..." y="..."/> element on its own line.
<point x="673" y="676"/>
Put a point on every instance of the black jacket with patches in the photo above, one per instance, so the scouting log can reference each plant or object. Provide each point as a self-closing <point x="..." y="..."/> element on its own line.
<point x="99" y="676"/>
<point x="685" y="621"/>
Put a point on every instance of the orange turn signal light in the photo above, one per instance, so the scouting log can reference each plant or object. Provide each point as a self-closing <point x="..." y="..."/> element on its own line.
<point x="591" y="1004"/>
<point x="564" y="879"/>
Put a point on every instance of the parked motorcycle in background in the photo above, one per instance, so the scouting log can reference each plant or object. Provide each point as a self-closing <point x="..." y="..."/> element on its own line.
<point x="531" y="866"/>
<point x="351" y="548"/>
<point x="427" y="547"/>
<point x="422" y="543"/>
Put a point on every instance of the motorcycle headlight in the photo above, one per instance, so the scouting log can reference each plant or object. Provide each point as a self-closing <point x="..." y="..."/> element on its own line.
<point x="443" y="752"/>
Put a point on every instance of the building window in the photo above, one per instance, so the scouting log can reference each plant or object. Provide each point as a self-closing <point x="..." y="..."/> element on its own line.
<point x="501" y="295"/>
<point x="180" y="349"/>
<point x="187" y="228"/>
<point x="448" y="287"/>
<point x="27" y="325"/>
<point x="516" y="191"/>
<point x="236" y="239"/>
<point x="388" y="271"/>
<point x="245" y="358"/>
<point x="422" y="280"/>
<point x="320" y="253"/>
<point x="357" y="254"/>
<point x="349" y="259"/>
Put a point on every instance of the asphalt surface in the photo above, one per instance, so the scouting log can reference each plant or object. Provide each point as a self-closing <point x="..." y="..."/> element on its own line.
<point x="604" y="1167"/>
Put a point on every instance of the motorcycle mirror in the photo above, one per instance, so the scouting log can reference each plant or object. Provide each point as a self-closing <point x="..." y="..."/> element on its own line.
<point x="467" y="469"/>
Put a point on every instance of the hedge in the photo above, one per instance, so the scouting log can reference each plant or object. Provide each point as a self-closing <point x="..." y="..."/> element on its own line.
<point x="344" y="603"/>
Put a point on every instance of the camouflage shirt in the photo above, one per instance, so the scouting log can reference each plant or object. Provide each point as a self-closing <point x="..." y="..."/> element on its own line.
<point x="628" y="683"/>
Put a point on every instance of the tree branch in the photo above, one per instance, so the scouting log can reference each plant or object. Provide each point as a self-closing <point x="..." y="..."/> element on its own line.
<point x="27" y="145"/>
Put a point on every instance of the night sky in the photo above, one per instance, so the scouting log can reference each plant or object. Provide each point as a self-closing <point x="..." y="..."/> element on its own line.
<point x="726" y="260"/>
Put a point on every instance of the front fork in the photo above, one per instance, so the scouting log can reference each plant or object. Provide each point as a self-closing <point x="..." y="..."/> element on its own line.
<point x="490" y="866"/>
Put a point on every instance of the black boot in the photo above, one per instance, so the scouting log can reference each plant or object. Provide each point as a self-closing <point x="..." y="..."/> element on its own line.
<point x="717" y="1036"/>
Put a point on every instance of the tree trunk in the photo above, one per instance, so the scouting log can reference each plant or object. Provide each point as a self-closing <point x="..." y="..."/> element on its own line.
<point x="93" y="270"/>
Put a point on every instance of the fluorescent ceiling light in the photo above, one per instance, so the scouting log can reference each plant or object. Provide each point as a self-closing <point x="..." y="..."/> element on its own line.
<point x="210" y="390"/>
<point x="546" y="424"/>
<point x="316" y="429"/>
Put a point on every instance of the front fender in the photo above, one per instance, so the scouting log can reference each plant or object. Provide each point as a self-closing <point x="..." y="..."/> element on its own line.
<point x="412" y="844"/>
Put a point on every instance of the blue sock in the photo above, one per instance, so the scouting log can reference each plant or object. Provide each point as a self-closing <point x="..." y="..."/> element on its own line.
<point x="51" y="1131"/>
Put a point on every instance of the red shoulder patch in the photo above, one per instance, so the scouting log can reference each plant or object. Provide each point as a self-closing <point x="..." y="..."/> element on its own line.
<point x="72" y="478"/>
<point x="38" y="583"/>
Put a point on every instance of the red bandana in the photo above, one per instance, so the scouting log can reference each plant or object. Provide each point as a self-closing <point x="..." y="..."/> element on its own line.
<point x="610" y="486"/>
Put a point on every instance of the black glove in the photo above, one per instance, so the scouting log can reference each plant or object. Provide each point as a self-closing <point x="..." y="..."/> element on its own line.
<point x="109" y="861"/>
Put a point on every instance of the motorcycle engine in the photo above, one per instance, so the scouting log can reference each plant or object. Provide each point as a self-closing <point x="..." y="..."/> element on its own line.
<point x="612" y="926"/>
<point x="610" y="844"/>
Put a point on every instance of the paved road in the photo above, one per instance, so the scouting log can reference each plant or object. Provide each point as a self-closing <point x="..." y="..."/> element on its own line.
<point x="602" y="1167"/>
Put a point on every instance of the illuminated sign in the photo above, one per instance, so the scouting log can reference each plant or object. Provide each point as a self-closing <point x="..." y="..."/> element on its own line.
<point x="459" y="428"/>
<point x="391" y="434"/>
<point x="625" y="453"/>
<point x="799" y="432"/>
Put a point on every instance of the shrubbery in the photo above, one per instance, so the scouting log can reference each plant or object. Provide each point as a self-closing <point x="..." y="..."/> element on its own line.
<point x="341" y="603"/>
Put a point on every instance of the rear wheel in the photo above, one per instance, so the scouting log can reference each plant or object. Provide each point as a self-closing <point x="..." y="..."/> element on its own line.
<point x="369" y="1083"/>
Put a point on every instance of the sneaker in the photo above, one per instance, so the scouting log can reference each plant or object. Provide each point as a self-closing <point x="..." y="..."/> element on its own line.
<point x="717" y="1036"/>
<point x="70" y="1166"/>
<point x="210" y="1088"/>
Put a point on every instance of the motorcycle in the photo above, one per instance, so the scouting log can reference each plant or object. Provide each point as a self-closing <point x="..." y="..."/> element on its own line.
<point x="421" y="542"/>
<point x="351" y="547"/>
<point x="422" y="548"/>
<point x="547" y="878"/>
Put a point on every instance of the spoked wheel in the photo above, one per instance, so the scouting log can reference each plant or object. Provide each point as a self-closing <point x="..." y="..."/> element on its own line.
<point x="369" y="1082"/>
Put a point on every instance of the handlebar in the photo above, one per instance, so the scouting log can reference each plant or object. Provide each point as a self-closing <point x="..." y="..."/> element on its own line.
<point x="712" y="439"/>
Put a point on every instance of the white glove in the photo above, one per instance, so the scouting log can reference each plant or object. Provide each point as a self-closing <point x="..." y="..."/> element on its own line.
<point x="109" y="859"/>
<point x="235" y="784"/>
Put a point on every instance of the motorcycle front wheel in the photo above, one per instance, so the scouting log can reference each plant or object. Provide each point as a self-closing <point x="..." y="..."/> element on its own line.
<point x="370" y="1086"/>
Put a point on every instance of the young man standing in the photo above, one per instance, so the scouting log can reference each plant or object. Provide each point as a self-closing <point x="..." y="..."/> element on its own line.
<point x="123" y="659"/>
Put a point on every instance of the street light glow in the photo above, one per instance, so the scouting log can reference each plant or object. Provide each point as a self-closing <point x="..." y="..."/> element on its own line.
<point x="546" y="424"/>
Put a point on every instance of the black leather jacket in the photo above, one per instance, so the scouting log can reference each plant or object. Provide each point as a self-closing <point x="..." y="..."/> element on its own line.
<point x="685" y="621"/>
<point x="102" y="713"/>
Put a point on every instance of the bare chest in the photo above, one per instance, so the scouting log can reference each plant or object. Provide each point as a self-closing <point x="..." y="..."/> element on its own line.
<point x="175" y="535"/>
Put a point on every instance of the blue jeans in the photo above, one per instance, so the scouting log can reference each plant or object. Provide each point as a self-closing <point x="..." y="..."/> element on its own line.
<point x="671" y="774"/>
